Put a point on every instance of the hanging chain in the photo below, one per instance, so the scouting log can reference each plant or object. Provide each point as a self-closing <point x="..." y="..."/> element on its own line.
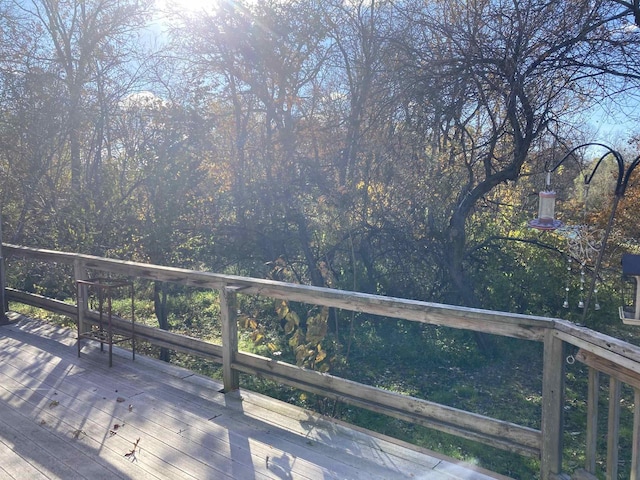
<point x="584" y="242"/>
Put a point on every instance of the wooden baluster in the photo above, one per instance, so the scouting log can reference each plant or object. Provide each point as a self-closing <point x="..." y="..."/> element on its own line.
<point x="614" y="428"/>
<point x="635" y="451"/>
<point x="593" y="396"/>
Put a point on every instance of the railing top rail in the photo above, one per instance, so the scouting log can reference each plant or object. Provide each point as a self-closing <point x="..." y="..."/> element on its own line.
<point x="610" y="348"/>
<point x="500" y="323"/>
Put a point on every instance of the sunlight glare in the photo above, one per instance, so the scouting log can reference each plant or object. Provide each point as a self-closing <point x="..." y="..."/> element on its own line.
<point x="188" y="6"/>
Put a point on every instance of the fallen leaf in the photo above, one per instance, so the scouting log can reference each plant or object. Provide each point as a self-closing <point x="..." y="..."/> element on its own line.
<point x="132" y="454"/>
<point x="54" y="403"/>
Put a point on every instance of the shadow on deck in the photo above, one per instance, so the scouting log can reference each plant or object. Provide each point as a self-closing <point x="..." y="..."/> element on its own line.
<point x="67" y="417"/>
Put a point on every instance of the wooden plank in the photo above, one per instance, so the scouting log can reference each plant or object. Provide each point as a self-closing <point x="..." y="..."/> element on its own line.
<point x="24" y="328"/>
<point x="605" y="365"/>
<point x="156" y="336"/>
<point x="245" y="410"/>
<point x="613" y="430"/>
<point x="95" y="399"/>
<point x="46" y="450"/>
<point x="519" y="326"/>
<point x="82" y="299"/>
<point x="96" y="408"/>
<point x="265" y="438"/>
<point x="469" y="425"/>
<point x="74" y="397"/>
<point x="325" y="437"/>
<point x="501" y="434"/>
<point x="38" y="301"/>
<point x="343" y="437"/>
<point x="502" y="430"/>
<point x="85" y="417"/>
<point x="4" y="475"/>
<point x="613" y="349"/>
<point x="409" y="452"/>
<point x="175" y="341"/>
<point x="13" y="465"/>
<point x="583" y="475"/>
<point x="451" y="469"/>
<point x="39" y="254"/>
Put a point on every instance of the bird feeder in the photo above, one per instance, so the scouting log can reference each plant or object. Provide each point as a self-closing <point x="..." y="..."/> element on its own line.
<point x="546" y="212"/>
<point x="630" y="314"/>
<point x="546" y="209"/>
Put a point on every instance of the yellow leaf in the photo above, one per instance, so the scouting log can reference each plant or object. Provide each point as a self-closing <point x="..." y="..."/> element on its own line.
<point x="321" y="355"/>
<point x="301" y="354"/>
<point x="293" y="317"/>
<point x="289" y="327"/>
<point x="317" y="326"/>
<point x="257" y="337"/>
<point x="282" y="309"/>
<point x="243" y="321"/>
<point x="296" y="339"/>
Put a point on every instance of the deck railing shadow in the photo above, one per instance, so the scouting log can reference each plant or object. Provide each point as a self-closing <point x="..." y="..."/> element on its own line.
<point x="36" y="394"/>
<point x="601" y="353"/>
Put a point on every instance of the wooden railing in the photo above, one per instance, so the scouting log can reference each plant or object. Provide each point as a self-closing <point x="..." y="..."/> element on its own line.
<point x="618" y="359"/>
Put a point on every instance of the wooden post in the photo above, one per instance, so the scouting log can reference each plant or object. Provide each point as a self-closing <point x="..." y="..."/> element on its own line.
<point x="228" y="315"/>
<point x="552" y="406"/>
<point x="3" y="299"/>
<point x="4" y="304"/>
<point x="593" y="396"/>
<point x="80" y="273"/>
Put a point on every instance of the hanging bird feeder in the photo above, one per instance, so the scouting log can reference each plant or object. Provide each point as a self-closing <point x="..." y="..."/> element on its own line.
<point x="546" y="209"/>
<point x="630" y="314"/>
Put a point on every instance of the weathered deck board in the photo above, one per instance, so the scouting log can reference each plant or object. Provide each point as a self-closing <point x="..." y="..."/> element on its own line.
<point x="57" y="412"/>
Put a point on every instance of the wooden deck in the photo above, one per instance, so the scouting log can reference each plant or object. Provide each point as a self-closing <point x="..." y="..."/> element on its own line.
<point x="64" y="417"/>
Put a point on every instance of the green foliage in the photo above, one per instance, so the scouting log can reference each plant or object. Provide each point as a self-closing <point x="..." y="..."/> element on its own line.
<point x="306" y="336"/>
<point x="301" y="337"/>
<point x="54" y="281"/>
<point x="44" y="315"/>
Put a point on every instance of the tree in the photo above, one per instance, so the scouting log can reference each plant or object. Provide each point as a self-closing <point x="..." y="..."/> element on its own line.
<point x="158" y="177"/>
<point x="488" y="79"/>
<point x="260" y="62"/>
<point x="89" y="40"/>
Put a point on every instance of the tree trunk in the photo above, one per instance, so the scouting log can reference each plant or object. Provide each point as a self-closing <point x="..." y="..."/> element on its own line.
<point x="160" y="305"/>
<point x="464" y="291"/>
